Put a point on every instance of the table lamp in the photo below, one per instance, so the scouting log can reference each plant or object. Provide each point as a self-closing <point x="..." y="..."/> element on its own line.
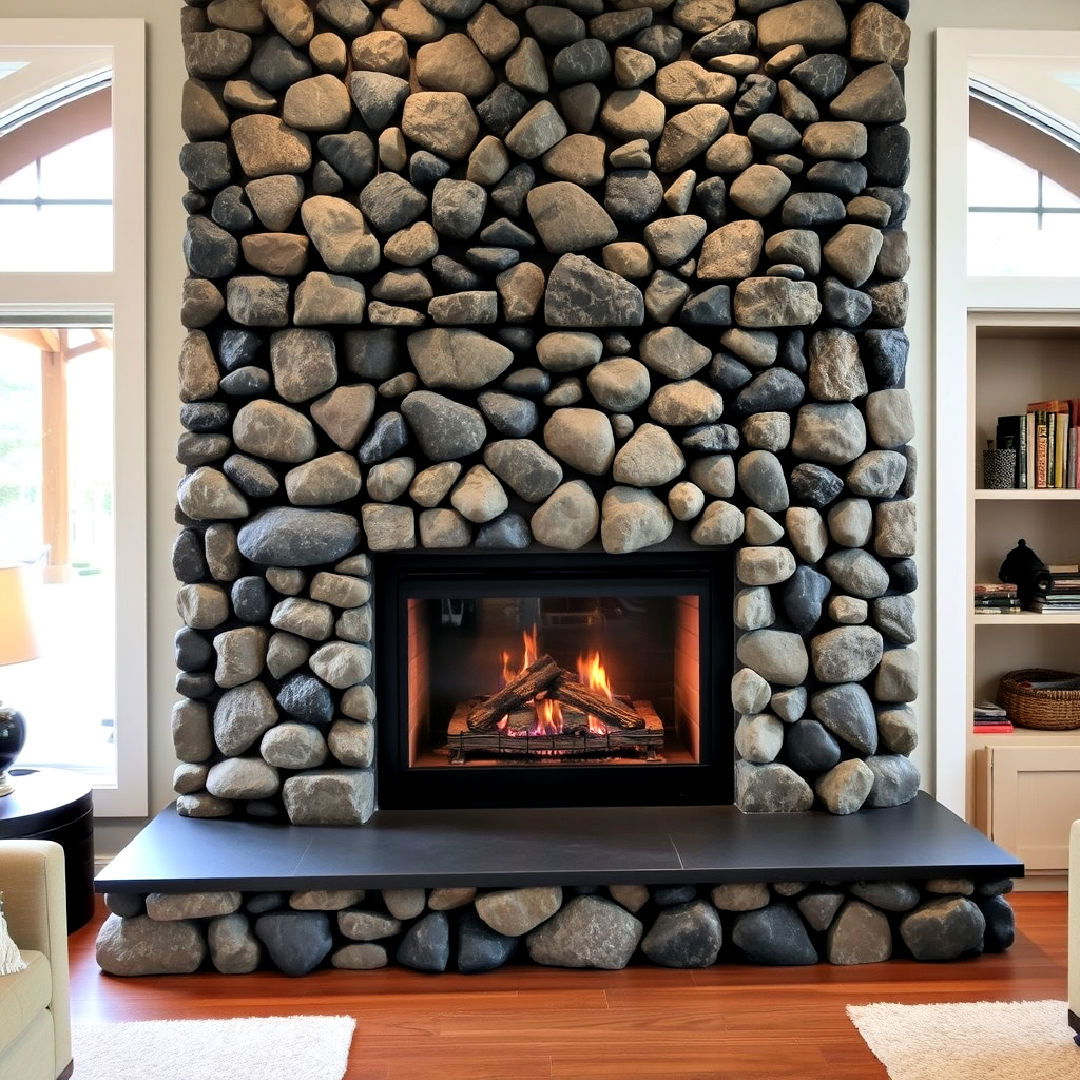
<point x="17" y="644"/>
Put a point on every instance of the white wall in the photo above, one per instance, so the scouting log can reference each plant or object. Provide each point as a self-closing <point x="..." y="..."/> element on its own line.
<point x="166" y="271"/>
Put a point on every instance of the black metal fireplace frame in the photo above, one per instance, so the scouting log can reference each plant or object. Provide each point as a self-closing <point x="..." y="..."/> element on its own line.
<point x="401" y="575"/>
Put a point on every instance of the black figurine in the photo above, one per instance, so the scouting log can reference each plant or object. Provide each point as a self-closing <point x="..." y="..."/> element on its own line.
<point x="1020" y="568"/>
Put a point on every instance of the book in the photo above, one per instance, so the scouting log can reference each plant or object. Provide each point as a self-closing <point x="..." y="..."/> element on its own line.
<point x="1042" y="448"/>
<point x="1004" y="588"/>
<point x="1029" y="450"/>
<point x="1063" y="568"/>
<point x="992" y="729"/>
<point x="1061" y="442"/>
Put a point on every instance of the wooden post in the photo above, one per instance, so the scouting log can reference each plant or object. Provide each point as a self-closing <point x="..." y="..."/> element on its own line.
<point x="55" y="500"/>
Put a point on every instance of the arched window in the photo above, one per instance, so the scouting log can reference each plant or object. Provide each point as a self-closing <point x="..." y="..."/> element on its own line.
<point x="1023" y="190"/>
<point x="56" y="211"/>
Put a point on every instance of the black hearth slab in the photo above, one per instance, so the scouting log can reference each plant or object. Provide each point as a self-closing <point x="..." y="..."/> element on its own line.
<point x="566" y="846"/>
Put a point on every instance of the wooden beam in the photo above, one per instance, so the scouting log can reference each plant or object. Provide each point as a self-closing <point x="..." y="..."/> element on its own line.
<point x="51" y="336"/>
<point x="103" y="337"/>
<point x="78" y="350"/>
<point x="55" y="500"/>
<point x="28" y="337"/>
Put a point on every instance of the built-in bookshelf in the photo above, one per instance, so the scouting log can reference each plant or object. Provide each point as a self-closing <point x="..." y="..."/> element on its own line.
<point x="1016" y="359"/>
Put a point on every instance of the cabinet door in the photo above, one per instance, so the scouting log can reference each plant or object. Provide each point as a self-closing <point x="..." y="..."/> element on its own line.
<point x="1034" y="799"/>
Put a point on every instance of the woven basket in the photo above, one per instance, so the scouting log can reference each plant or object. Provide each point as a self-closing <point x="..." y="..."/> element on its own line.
<point x="1047" y="710"/>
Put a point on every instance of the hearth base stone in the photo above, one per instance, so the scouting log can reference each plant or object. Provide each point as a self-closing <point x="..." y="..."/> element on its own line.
<point x="468" y="930"/>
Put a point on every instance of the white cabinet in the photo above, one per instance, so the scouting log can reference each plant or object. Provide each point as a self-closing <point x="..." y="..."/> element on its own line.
<point x="1027" y="795"/>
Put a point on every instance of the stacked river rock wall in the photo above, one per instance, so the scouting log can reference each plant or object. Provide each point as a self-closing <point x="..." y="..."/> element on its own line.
<point x="591" y="276"/>
<point x="470" y="930"/>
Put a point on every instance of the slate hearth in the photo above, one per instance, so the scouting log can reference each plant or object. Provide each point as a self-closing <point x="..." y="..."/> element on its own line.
<point x="572" y="887"/>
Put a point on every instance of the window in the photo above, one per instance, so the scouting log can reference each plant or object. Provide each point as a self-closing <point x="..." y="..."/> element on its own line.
<point x="72" y="391"/>
<point x="56" y="212"/>
<point x="1020" y="222"/>
<point x="56" y="519"/>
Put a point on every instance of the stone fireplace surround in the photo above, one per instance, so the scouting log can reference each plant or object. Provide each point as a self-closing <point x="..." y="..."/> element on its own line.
<point x="518" y="278"/>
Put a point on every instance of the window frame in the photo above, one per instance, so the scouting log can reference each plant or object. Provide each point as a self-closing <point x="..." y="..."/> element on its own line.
<point x="118" y="295"/>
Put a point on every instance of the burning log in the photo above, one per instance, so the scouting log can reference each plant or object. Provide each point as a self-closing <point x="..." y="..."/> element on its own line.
<point x="576" y="693"/>
<point x="537" y="677"/>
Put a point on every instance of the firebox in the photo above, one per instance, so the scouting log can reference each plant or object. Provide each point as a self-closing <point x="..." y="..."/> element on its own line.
<point x="553" y="680"/>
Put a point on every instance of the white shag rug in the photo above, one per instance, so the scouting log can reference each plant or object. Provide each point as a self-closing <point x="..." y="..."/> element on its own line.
<point x="972" y="1040"/>
<point x="274" y="1048"/>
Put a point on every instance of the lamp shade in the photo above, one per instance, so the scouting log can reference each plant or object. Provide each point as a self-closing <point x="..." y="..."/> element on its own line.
<point x="17" y="639"/>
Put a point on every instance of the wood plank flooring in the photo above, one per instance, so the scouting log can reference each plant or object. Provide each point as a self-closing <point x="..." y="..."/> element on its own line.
<point x="644" y="1023"/>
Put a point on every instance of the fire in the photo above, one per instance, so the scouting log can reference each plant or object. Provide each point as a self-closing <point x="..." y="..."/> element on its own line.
<point x="530" y="641"/>
<point x="592" y="673"/>
<point x="549" y="716"/>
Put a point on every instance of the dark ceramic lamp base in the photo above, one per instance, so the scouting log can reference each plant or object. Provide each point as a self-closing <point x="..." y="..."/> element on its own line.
<point x="12" y="739"/>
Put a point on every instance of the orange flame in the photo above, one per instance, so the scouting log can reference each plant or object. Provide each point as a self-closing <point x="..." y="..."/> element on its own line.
<point x="549" y="717"/>
<point x="530" y="641"/>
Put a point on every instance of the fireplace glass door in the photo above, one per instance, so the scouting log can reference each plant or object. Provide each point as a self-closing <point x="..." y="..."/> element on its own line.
<point x="547" y="687"/>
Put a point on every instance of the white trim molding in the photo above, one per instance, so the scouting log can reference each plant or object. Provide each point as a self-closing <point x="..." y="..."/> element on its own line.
<point x="121" y="297"/>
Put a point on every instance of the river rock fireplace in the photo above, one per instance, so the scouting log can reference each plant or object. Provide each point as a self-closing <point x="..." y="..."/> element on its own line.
<point x="549" y="509"/>
<point x="553" y="680"/>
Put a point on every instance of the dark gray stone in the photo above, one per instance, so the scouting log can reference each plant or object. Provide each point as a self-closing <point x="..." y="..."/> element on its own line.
<point x="204" y="416"/>
<point x="896" y="780"/>
<point x="387" y="437"/>
<point x="888" y="156"/>
<point x="1000" y="924"/>
<point x="188" y="557"/>
<point x="508" y="414"/>
<point x="352" y="154"/>
<point x="390" y="202"/>
<point x="479" y="947"/>
<point x="803" y="596"/>
<point x="822" y="75"/>
<point x="582" y="294"/>
<point x="633" y="195"/>
<point x="711" y="438"/>
<point x="445" y="429"/>
<point x="251" y="599"/>
<point x="887" y="895"/>
<point x="502" y="109"/>
<point x="210" y="251"/>
<point x="251" y="476"/>
<point x="276" y="65"/>
<point x="671" y="895"/>
<point x="206" y="165"/>
<point x="849" y="714"/>
<point x="809" y="748"/>
<point x="814" y="485"/>
<point x="884" y="355"/>
<point x="944" y="930"/>
<point x="709" y="308"/>
<point x="686" y="936"/>
<point x="762" y="480"/>
<point x="587" y="932"/>
<point x="510" y="531"/>
<point x="774" y="935"/>
<point x="775" y="389"/>
<point x="306" y="699"/>
<point x="191" y="651"/>
<point x="289" y="536"/>
<point x="296" y="941"/>
<point x="582" y="61"/>
<point x="426" y="944"/>
<point x="813" y="209"/>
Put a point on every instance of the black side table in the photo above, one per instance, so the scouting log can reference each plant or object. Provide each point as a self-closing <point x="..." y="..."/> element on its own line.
<point x="49" y="804"/>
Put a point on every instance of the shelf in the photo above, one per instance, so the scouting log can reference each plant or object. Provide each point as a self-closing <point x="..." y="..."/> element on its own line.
<point x="1029" y="618"/>
<point x="1035" y="494"/>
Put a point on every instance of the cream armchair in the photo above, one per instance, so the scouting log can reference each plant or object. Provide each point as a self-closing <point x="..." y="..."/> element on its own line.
<point x="35" y="1011"/>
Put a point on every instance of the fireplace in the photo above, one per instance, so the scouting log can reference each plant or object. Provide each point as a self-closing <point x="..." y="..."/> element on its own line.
<point x="553" y="680"/>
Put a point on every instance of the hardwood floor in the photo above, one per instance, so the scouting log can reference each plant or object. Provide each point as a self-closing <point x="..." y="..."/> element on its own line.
<point x="644" y="1023"/>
